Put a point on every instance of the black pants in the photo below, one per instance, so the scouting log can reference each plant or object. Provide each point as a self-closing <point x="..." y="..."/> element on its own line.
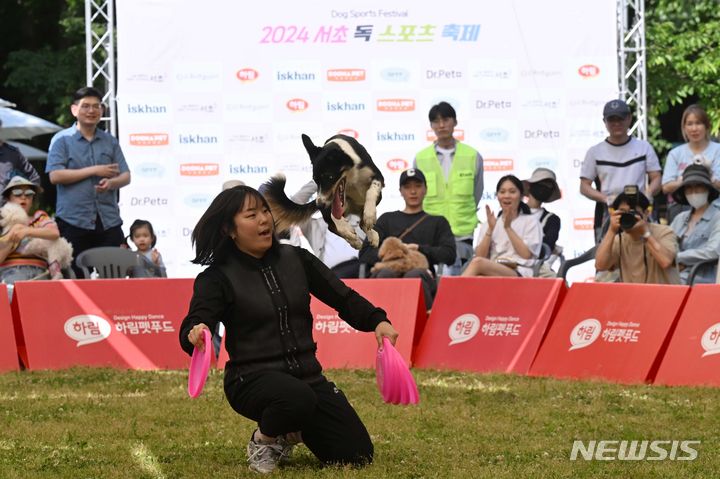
<point x="82" y="239"/>
<point x="281" y="403"/>
<point x="429" y="285"/>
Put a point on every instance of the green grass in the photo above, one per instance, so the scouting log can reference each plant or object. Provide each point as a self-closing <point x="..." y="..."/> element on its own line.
<point x="102" y="423"/>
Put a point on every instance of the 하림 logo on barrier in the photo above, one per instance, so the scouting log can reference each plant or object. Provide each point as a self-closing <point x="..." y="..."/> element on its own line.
<point x="87" y="329"/>
<point x="710" y="340"/>
<point x="584" y="333"/>
<point x="463" y="329"/>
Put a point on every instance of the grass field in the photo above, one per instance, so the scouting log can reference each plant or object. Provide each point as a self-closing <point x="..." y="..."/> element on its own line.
<point x="103" y="423"/>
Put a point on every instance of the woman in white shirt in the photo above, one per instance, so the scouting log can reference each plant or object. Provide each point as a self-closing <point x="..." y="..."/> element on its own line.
<point x="507" y="245"/>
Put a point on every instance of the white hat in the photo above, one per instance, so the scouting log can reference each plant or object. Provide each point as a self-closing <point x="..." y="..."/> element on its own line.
<point x="16" y="181"/>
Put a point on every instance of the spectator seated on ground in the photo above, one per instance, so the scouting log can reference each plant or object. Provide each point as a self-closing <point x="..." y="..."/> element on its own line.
<point x="30" y="245"/>
<point x="641" y="251"/>
<point x="411" y="229"/>
<point x="509" y="244"/>
<point x="541" y="188"/>
<point x="698" y="230"/>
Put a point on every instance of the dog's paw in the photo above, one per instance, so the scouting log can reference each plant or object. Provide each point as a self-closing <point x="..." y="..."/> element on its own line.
<point x="355" y="242"/>
<point x="373" y="238"/>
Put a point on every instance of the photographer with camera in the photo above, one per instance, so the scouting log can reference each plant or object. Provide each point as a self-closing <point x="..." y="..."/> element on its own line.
<point x="644" y="252"/>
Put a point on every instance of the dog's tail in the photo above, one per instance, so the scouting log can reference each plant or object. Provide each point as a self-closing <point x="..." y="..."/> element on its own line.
<point x="285" y="211"/>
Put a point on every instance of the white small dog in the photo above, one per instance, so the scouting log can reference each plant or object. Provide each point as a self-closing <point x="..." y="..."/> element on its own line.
<point x="58" y="253"/>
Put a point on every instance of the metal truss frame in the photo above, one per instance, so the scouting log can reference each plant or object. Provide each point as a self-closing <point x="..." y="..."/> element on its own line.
<point x="100" y="55"/>
<point x="632" y="61"/>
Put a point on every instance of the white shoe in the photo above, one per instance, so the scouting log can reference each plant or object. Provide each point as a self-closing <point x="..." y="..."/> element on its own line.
<point x="264" y="458"/>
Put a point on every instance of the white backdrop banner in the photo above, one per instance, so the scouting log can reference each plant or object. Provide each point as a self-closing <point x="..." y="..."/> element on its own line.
<point x="209" y="91"/>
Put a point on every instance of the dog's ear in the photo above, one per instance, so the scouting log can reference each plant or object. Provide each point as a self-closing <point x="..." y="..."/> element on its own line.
<point x="312" y="150"/>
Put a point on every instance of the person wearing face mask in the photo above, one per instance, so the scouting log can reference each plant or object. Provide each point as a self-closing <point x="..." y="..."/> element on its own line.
<point x="541" y="188"/>
<point x="698" y="229"/>
<point x="643" y="252"/>
<point x="696" y="128"/>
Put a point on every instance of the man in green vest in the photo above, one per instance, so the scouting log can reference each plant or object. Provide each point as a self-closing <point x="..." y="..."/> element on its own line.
<point x="454" y="176"/>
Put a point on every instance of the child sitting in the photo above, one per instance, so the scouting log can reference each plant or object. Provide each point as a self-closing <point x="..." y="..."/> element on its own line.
<point x="143" y="235"/>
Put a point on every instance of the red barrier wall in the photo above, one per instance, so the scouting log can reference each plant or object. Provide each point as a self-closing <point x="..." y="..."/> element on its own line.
<point x="611" y="331"/>
<point x="693" y="355"/>
<point x="8" y="349"/>
<point x="488" y="324"/>
<point x="131" y="323"/>
<point x="341" y="346"/>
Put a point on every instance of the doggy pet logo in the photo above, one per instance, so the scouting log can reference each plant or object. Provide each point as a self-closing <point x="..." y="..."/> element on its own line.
<point x="396" y="104"/>
<point x="463" y="328"/>
<point x="397" y="164"/>
<point x="583" y="224"/>
<point x="584" y="333"/>
<point x="589" y="71"/>
<point x="87" y="329"/>
<point x="149" y="139"/>
<point x="349" y="132"/>
<point x="346" y="74"/>
<point x="498" y="164"/>
<point x="199" y="169"/>
<point x="458" y="134"/>
<point x="247" y="75"/>
<point x="297" y="105"/>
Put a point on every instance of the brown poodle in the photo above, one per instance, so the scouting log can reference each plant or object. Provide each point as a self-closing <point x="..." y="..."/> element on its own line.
<point x="396" y="256"/>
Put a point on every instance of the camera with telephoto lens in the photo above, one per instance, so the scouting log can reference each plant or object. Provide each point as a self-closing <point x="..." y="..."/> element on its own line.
<point x="628" y="220"/>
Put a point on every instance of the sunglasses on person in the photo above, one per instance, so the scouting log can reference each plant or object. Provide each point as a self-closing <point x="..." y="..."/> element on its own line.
<point x="20" y="192"/>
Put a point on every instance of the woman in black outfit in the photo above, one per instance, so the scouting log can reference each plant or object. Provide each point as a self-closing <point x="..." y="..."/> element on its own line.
<point x="260" y="289"/>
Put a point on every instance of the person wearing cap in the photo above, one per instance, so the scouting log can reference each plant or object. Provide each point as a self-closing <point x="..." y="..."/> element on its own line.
<point x="454" y="175"/>
<point x="429" y="234"/>
<point x="617" y="161"/>
<point x="696" y="127"/>
<point x="643" y="252"/>
<point x="698" y="229"/>
<point x="13" y="163"/>
<point x="89" y="168"/>
<point x="14" y="264"/>
<point x="541" y="188"/>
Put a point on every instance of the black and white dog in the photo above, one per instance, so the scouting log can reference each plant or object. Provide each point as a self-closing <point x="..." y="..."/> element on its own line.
<point x="348" y="183"/>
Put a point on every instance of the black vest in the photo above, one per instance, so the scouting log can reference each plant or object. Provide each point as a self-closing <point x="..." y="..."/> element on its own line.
<point x="269" y="324"/>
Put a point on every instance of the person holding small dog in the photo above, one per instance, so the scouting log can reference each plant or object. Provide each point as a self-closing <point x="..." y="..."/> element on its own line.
<point x="509" y="244"/>
<point x="15" y="264"/>
<point x="421" y="232"/>
<point x="260" y="289"/>
<point x="643" y="252"/>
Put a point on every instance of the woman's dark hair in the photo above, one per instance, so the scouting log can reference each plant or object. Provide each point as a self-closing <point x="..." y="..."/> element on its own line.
<point x="137" y="224"/>
<point x="211" y="235"/>
<point x="522" y="208"/>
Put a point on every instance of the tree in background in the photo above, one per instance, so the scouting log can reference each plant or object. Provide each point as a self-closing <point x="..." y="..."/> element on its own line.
<point x="683" y="64"/>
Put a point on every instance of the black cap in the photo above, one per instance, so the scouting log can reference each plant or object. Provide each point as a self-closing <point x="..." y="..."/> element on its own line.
<point x="412" y="174"/>
<point x="616" y="108"/>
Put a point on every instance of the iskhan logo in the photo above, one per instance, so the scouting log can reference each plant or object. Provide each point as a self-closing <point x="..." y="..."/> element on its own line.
<point x="247" y="169"/>
<point x="589" y="71"/>
<point x="394" y="136"/>
<point x="199" y="169"/>
<point x="396" y="104"/>
<point x="247" y="75"/>
<point x="142" y="108"/>
<point x="195" y="139"/>
<point x="349" y="132"/>
<point x="297" y="104"/>
<point x="335" y="106"/>
<point x="397" y="164"/>
<point x="346" y="74"/>
<point x="149" y="139"/>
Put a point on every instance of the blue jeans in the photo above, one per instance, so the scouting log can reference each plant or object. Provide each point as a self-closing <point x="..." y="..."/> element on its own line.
<point x="10" y="274"/>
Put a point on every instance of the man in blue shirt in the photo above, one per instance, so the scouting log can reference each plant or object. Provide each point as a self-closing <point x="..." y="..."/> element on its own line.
<point x="88" y="168"/>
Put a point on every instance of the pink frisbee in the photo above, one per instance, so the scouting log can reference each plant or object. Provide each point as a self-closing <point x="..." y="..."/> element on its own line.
<point x="199" y="366"/>
<point x="393" y="377"/>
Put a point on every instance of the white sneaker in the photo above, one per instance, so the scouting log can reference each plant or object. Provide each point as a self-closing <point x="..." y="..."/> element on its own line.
<point x="264" y="458"/>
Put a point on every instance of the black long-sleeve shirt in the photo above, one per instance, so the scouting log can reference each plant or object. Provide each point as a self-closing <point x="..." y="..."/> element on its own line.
<point x="433" y="236"/>
<point x="265" y="306"/>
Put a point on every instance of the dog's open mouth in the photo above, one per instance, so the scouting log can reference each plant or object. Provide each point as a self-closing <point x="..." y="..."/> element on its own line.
<point x="338" y="206"/>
